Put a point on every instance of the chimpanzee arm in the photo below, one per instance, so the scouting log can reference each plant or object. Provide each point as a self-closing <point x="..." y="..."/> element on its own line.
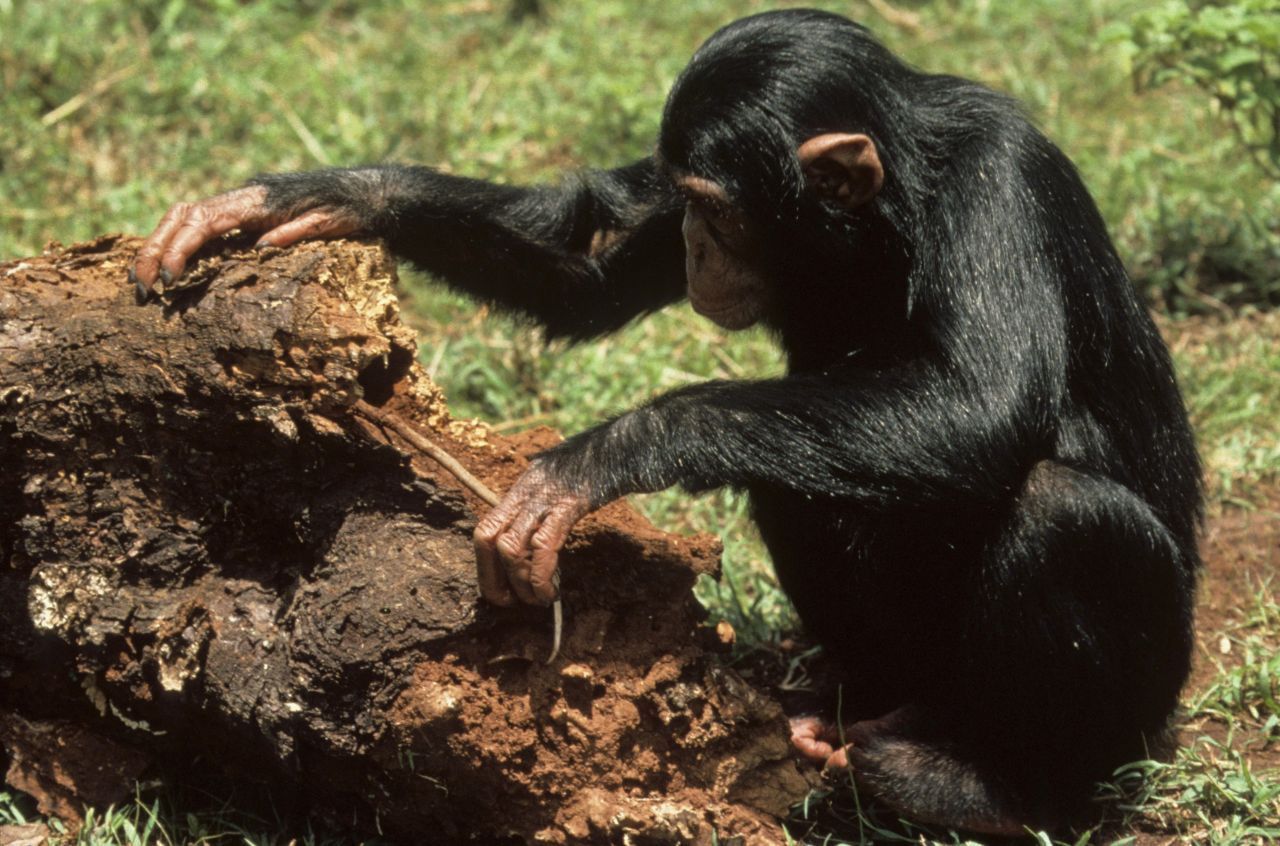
<point x="582" y="259"/>
<point x="918" y="439"/>
<point x="888" y="441"/>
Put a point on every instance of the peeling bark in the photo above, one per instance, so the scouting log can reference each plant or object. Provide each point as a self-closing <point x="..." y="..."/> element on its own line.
<point x="201" y="546"/>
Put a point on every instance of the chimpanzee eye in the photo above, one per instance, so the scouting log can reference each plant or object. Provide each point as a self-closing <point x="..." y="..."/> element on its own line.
<point x="716" y="216"/>
<point x="717" y="227"/>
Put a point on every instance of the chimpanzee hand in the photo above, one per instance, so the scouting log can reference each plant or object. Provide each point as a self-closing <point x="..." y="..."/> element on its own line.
<point x="189" y="226"/>
<point x="518" y="542"/>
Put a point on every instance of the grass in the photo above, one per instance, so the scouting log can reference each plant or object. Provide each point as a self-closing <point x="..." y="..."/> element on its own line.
<point x="111" y="111"/>
<point x="1229" y="373"/>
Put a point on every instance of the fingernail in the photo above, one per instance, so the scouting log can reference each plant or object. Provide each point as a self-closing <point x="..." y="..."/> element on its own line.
<point x="139" y="289"/>
<point x="264" y="244"/>
<point x="166" y="276"/>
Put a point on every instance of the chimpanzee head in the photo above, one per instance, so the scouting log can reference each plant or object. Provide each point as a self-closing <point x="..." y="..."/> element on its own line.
<point x="775" y="133"/>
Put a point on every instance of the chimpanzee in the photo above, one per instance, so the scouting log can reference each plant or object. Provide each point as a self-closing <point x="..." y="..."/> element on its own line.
<point x="977" y="479"/>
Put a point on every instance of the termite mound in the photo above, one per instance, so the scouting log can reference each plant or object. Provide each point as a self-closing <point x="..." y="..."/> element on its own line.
<point x="203" y="548"/>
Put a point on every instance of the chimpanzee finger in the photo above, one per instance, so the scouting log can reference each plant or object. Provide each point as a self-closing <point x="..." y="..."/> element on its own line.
<point x="188" y="226"/>
<point x="513" y="549"/>
<point x="518" y="579"/>
<point x="839" y="759"/>
<point x="146" y="265"/>
<point x="204" y="222"/>
<point x="490" y="574"/>
<point x="546" y="544"/>
<point x="319" y="223"/>
<point x="194" y="233"/>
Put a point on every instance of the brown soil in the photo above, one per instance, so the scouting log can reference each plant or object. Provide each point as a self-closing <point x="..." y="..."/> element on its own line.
<point x="1241" y="550"/>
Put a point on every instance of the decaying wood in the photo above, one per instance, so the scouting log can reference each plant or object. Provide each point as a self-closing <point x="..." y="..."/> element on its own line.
<point x="203" y="547"/>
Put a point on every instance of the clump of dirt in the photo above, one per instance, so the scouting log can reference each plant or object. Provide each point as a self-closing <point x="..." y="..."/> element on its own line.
<point x="64" y="765"/>
<point x="636" y="731"/>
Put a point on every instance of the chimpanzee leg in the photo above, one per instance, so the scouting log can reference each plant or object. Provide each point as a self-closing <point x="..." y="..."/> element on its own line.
<point x="1073" y="644"/>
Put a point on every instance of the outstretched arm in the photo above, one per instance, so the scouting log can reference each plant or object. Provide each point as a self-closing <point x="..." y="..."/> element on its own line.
<point x="918" y="438"/>
<point x="582" y="259"/>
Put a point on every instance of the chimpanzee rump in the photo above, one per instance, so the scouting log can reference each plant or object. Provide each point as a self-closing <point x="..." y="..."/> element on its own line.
<point x="977" y="478"/>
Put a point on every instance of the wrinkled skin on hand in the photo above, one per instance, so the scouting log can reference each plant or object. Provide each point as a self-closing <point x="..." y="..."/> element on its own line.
<point x="187" y="227"/>
<point x="518" y="542"/>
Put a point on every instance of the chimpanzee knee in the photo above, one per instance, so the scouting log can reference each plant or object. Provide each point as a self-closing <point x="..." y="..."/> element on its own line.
<point x="1081" y="635"/>
<point x="1068" y="653"/>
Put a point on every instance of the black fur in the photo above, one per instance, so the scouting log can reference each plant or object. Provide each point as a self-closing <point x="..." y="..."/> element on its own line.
<point x="977" y="479"/>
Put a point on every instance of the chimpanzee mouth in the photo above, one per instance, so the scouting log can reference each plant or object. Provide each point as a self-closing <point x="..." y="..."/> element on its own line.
<point x="732" y="314"/>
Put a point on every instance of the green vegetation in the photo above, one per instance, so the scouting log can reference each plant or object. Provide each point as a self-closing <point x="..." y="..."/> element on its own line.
<point x="1200" y="256"/>
<point x="1231" y="51"/>
<point x="113" y="110"/>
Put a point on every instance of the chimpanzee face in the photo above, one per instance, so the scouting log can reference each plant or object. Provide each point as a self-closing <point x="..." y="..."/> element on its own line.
<point x="723" y="262"/>
<point x="724" y="280"/>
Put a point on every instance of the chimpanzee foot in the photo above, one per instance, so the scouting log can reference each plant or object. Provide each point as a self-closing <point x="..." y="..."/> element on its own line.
<point x="926" y="781"/>
<point x="815" y="738"/>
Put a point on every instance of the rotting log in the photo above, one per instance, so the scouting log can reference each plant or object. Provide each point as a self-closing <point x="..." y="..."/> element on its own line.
<point x="203" y="547"/>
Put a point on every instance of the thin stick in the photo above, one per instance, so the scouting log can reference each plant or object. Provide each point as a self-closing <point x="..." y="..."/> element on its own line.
<point x="463" y="475"/>
<point x="421" y="444"/>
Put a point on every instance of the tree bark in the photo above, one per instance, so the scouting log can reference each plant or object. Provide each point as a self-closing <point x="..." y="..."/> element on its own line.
<point x="202" y="546"/>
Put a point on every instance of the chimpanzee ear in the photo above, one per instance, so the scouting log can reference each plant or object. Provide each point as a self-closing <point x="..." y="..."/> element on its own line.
<point x="843" y="168"/>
